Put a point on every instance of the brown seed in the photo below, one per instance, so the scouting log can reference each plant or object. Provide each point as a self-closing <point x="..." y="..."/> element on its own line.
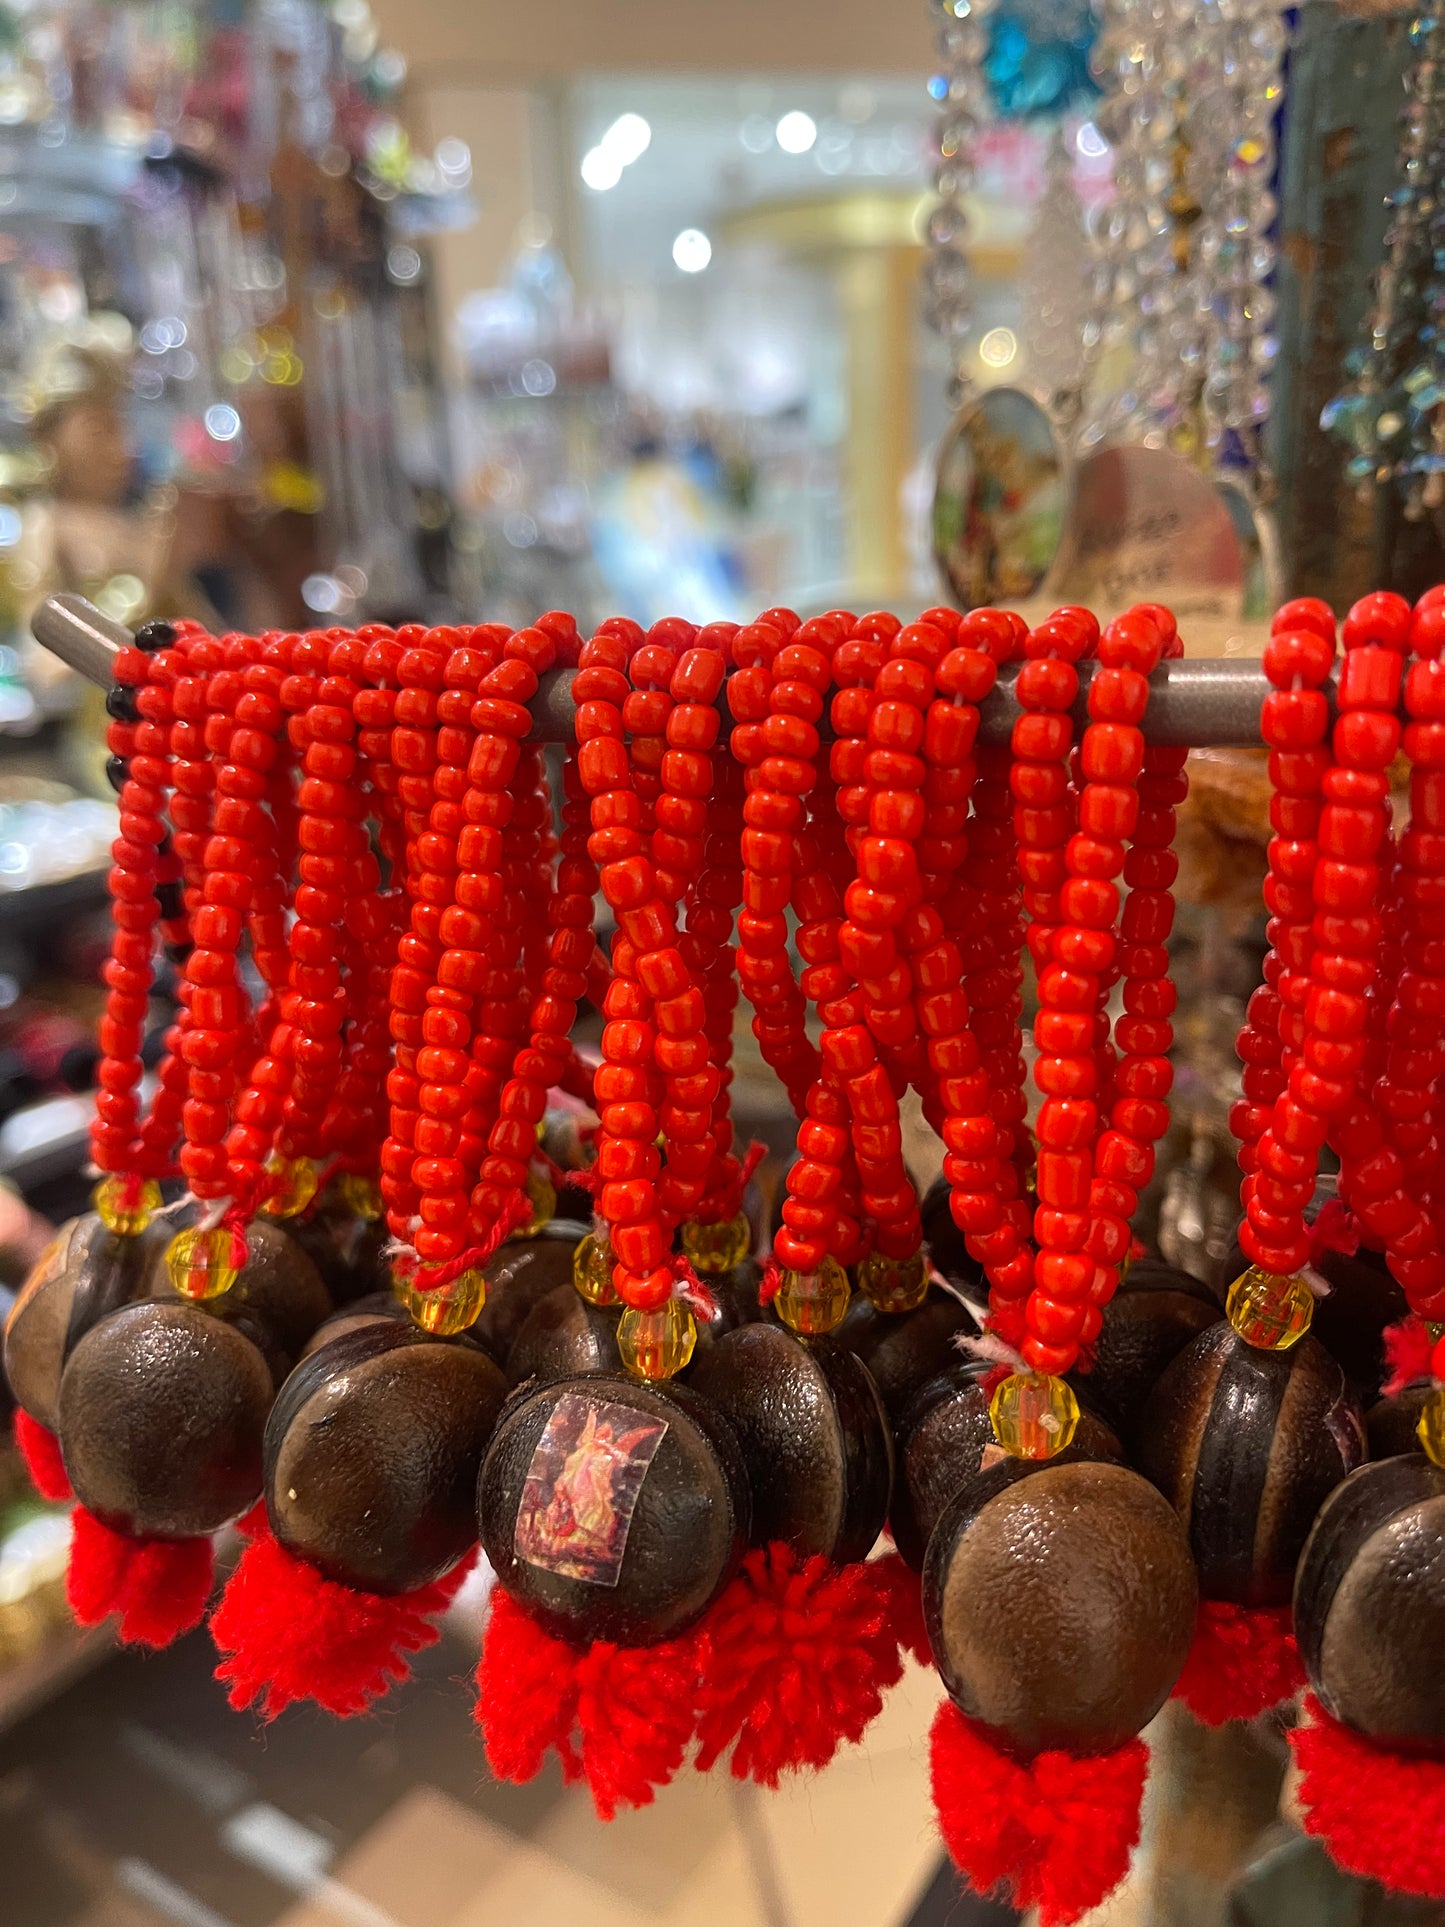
<point x="1060" y="1604"/>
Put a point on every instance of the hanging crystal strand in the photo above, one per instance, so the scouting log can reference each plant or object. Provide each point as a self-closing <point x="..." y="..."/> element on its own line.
<point x="1390" y="413"/>
<point x="1234" y="90"/>
<point x="1139" y="291"/>
<point x="962" y="95"/>
<point x="1055" y="276"/>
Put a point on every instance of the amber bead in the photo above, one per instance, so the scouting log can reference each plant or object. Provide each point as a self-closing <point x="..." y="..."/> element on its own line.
<point x="812" y="1302"/>
<point x="450" y="1308"/>
<point x="1269" y="1311"/>
<point x="126" y="1205"/>
<point x="592" y="1266"/>
<point x="656" y="1344"/>
<point x="714" y="1248"/>
<point x="362" y="1196"/>
<point x="542" y="1196"/>
<point x="1430" y="1430"/>
<point x="893" y="1284"/>
<point x="294" y="1181"/>
<point x="205" y="1264"/>
<point x="1034" y="1415"/>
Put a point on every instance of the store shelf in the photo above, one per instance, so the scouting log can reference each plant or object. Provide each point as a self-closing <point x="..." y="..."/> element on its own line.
<point x="66" y="1654"/>
<point x="45" y="1141"/>
<point x="43" y="903"/>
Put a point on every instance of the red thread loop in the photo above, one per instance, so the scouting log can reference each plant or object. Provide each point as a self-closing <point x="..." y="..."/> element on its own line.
<point x="1335" y="1229"/>
<point x="692" y="1291"/>
<point x="435" y="1277"/>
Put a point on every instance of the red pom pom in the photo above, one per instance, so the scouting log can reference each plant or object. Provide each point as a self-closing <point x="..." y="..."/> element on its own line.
<point x="1056" y="1834"/>
<point x="619" y="1716"/>
<point x="159" y="1587"/>
<point x="40" y="1449"/>
<point x="293" y="1635"/>
<point x="1378" y="1813"/>
<point x="1407" y="1354"/>
<point x="1242" y="1662"/>
<point x="797" y="1655"/>
<point x="526" y="1694"/>
<point x="905" y="1605"/>
<point x="635" y="1718"/>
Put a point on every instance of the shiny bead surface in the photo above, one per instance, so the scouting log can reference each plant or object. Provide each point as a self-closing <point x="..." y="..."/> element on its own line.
<point x="126" y="1205"/>
<point x="592" y="1265"/>
<point x="450" y="1308"/>
<point x="542" y="1195"/>
<point x="893" y="1284"/>
<point x="361" y="1196"/>
<point x="810" y="1303"/>
<point x="293" y="1182"/>
<point x="1034" y="1415"/>
<point x="714" y="1248"/>
<point x="205" y="1264"/>
<point x="1269" y="1311"/>
<point x="656" y="1344"/>
<point x="1430" y="1430"/>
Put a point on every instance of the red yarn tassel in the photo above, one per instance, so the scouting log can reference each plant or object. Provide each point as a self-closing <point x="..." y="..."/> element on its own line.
<point x="798" y="1653"/>
<point x="905" y="1605"/>
<point x="1055" y="1834"/>
<point x="620" y="1717"/>
<point x="291" y="1634"/>
<point x="1378" y="1814"/>
<point x="40" y="1449"/>
<point x="158" y="1587"/>
<point x="1243" y="1661"/>
<point x="1407" y="1354"/>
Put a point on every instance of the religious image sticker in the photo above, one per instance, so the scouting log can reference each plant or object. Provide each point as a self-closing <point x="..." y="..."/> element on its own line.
<point x="582" y="1488"/>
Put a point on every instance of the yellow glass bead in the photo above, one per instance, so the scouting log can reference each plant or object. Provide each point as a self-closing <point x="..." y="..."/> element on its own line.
<point x="894" y="1284"/>
<point x="1430" y="1430"/>
<point x="361" y="1196"/>
<point x="450" y="1308"/>
<point x="592" y="1264"/>
<point x="1034" y="1415"/>
<point x="656" y="1344"/>
<point x="127" y="1205"/>
<point x="714" y="1248"/>
<point x="205" y="1264"/>
<point x="810" y="1302"/>
<point x="293" y="1185"/>
<point x="543" y="1195"/>
<point x="1269" y="1311"/>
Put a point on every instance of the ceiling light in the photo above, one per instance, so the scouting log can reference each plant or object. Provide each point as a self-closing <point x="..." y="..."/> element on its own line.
<point x="628" y="137"/>
<point x="601" y="169"/>
<point x="692" y="250"/>
<point x="796" y="132"/>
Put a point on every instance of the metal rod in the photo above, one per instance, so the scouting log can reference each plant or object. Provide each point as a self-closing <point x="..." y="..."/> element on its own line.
<point x="81" y="635"/>
<point x="1198" y="701"/>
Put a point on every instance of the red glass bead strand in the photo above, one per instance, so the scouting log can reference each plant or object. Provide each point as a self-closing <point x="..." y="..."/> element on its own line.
<point x="115" y="1137"/>
<point x="628" y="1088"/>
<point x="1299" y="656"/>
<point x="1318" y="1100"/>
<point x="1388" y="1151"/>
<point x="1134" y="1083"/>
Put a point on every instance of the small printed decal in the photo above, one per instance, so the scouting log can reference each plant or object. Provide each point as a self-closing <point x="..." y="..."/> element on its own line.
<point x="582" y="1488"/>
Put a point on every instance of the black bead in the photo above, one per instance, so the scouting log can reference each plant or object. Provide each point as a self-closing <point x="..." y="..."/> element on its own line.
<point x="116" y="772"/>
<point x="154" y="635"/>
<point x="120" y="703"/>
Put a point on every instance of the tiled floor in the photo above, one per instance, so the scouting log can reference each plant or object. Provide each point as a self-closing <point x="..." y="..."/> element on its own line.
<point x="137" y="1799"/>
